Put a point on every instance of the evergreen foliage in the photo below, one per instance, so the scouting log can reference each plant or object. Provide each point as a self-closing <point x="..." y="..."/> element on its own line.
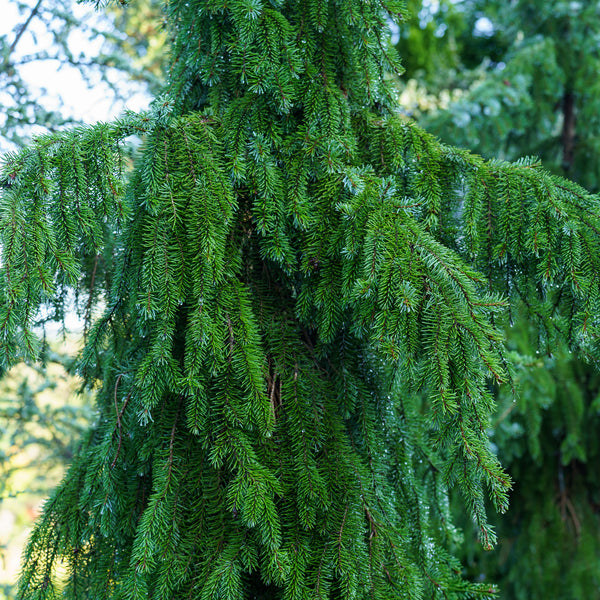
<point x="529" y="81"/>
<point x="531" y="90"/>
<point x="303" y="299"/>
<point x="548" y="542"/>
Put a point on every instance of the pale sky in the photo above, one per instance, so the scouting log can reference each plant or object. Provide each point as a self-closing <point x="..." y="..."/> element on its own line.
<point x="53" y="82"/>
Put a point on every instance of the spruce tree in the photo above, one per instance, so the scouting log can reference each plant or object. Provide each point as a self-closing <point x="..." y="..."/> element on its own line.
<point x="302" y="298"/>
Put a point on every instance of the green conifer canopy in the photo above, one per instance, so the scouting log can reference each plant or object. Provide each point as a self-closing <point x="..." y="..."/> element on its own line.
<point x="302" y="297"/>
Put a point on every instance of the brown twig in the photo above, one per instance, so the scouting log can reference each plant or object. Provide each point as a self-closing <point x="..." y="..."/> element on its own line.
<point x="119" y="414"/>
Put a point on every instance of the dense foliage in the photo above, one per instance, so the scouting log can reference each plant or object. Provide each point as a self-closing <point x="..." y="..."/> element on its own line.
<point x="527" y="73"/>
<point x="303" y="299"/>
<point x="115" y="53"/>
<point x="520" y="85"/>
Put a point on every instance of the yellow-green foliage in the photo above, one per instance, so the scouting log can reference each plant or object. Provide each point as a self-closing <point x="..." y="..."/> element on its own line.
<point x="42" y="419"/>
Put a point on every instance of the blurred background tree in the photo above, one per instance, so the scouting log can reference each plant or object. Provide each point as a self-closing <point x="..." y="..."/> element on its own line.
<point x="511" y="79"/>
<point x="53" y="51"/>
<point x="60" y="64"/>
<point x="42" y="419"/>
<point x="514" y="79"/>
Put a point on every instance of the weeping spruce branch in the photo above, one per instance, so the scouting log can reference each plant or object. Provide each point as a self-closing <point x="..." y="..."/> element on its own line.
<point x="303" y="298"/>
